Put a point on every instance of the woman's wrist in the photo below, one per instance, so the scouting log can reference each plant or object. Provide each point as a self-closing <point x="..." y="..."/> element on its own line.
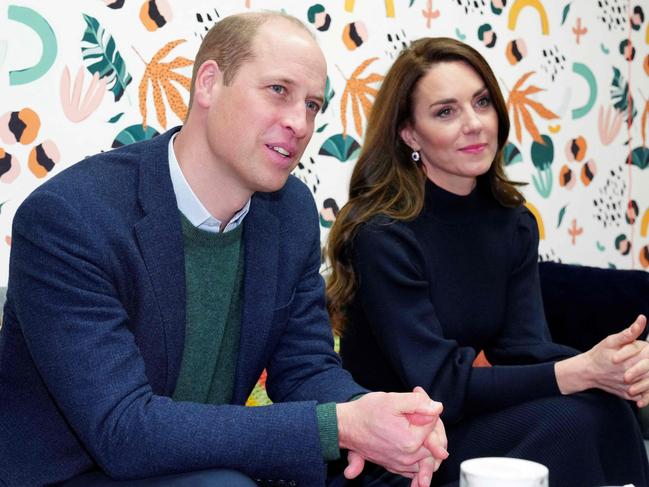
<point x="574" y="374"/>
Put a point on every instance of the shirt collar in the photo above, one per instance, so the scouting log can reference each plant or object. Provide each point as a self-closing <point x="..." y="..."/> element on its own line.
<point x="189" y="204"/>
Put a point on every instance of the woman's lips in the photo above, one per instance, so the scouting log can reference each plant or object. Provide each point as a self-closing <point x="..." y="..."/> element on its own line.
<point x="473" y="149"/>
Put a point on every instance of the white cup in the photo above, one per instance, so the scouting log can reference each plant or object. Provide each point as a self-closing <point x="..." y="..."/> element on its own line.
<point x="502" y="472"/>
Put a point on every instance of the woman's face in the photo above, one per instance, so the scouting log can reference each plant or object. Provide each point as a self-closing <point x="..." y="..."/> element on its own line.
<point x="455" y="126"/>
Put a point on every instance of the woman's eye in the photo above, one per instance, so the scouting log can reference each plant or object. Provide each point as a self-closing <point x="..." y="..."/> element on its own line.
<point x="444" y="112"/>
<point x="484" y="102"/>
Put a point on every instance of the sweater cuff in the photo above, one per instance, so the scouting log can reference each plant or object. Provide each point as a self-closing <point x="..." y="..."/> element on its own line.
<point x="328" y="429"/>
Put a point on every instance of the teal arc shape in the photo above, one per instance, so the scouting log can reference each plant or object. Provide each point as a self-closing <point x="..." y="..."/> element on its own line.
<point x="41" y="27"/>
<point x="585" y="72"/>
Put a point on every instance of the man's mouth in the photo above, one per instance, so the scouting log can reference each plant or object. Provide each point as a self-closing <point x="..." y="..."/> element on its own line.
<point x="279" y="150"/>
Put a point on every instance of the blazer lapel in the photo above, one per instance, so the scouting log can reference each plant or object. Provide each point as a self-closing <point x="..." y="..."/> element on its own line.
<point x="159" y="235"/>
<point x="261" y="254"/>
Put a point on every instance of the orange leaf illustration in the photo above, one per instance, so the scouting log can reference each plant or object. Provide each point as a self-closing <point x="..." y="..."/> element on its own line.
<point x="358" y="92"/>
<point x="519" y="102"/>
<point x="160" y="75"/>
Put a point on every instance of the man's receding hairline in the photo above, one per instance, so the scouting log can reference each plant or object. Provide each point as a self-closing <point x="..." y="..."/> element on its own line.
<point x="279" y="17"/>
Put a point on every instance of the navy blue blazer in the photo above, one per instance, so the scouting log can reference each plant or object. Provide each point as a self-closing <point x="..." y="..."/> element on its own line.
<point x="93" y="333"/>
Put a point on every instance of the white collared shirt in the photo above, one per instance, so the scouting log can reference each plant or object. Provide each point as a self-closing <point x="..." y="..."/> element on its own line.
<point x="189" y="204"/>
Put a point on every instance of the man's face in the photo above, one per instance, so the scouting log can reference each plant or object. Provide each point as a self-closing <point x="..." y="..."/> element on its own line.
<point x="259" y="125"/>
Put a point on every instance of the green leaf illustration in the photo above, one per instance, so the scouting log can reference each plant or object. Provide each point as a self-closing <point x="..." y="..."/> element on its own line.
<point x="620" y="94"/>
<point x="134" y="133"/>
<point x="102" y="57"/>
<point x="640" y="157"/>
<point x="511" y="154"/>
<point x="543" y="181"/>
<point x="566" y="10"/>
<point x="116" y="118"/>
<point x="542" y="157"/>
<point x="562" y="213"/>
<point x="329" y="94"/>
<point x="342" y="148"/>
<point x="542" y="154"/>
<point x="321" y="128"/>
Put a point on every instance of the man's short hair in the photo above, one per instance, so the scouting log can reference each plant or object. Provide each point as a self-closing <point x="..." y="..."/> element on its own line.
<point x="229" y="42"/>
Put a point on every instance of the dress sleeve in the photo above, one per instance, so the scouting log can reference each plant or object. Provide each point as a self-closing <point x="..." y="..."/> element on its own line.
<point x="393" y="292"/>
<point x="525" y="337"/>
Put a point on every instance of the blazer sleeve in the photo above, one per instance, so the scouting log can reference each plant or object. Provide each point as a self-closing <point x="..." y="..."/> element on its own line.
<point x="75" y="329"/>
<point x="304" y="364"/>
<point x="393" y="291"/>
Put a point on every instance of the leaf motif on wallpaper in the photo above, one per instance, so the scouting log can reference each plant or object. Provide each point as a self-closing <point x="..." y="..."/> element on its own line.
<point x="608" y="129"/>
<point x="562" y="213"/>
<point x="564" y="15"/>
<point x="132" y="134"/>
<point x="519" y="101"/>
<point x="102" y="57"/>
<point x="640" y="157"/>
<point x="116" y="117"/>
<point x="329" y="94"/>
<point x="511" y="154"/>
<point x="358" y="92"/>
<point x="620" y="94"/>
<point x="341" y="147"/>
<point x="75" y="108"/>
<point x="542" y="157"/>
<point x="160" y="75"/>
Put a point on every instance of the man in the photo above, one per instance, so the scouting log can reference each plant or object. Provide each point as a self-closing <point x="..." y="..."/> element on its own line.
<point x="133" y="332"/>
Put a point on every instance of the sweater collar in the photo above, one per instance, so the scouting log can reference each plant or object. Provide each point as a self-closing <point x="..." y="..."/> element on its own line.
<point x="447" y="206"/>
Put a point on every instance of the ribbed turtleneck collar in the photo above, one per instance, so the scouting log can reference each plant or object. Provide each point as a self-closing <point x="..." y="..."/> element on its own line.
<point x="451" y="207"/>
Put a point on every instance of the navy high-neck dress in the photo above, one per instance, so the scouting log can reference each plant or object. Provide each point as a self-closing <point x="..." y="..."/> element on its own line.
<point x="460" y="278"/>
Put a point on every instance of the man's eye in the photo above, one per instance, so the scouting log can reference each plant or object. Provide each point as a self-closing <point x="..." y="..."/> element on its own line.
<point x="278" y="89"/>
<point x="313" y="106"/>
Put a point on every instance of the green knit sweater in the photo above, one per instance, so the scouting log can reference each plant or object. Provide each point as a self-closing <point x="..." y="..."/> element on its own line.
<point x="213" y="275"/>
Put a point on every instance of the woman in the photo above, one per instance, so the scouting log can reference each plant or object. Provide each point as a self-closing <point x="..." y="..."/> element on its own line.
<point x="434" y="258"/>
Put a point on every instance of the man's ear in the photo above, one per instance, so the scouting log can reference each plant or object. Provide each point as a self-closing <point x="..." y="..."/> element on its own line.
<point x="208" y="77"/>
<point x="408" y="135"/>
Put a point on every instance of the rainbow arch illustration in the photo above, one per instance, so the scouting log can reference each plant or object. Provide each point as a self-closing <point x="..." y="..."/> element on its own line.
<point x="519" y="5"/>
<point x="389" y="7"/>
<point x="539" y="219"/>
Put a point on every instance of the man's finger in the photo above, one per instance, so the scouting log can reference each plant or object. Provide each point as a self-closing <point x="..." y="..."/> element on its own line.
<point x="355" y="464"/>
<point x="415" y="402"/>
<point x="425" y="474"/>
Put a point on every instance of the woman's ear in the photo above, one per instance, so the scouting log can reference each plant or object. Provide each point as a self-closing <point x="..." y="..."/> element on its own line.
<point x="408" y="135"/>
<point x="208" y="77"/>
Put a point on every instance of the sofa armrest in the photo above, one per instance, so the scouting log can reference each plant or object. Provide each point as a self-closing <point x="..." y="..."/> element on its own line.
<point x="585" y="304"/>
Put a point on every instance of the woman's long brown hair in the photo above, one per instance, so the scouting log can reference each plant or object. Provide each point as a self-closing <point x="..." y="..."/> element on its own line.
<point x="385" y="181"/>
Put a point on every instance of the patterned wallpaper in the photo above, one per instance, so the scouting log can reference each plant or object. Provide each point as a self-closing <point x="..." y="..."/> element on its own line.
<point x="90" y="75"/>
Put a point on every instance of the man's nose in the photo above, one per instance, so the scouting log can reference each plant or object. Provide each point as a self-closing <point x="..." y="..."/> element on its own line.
<point x="296" y="119"/>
